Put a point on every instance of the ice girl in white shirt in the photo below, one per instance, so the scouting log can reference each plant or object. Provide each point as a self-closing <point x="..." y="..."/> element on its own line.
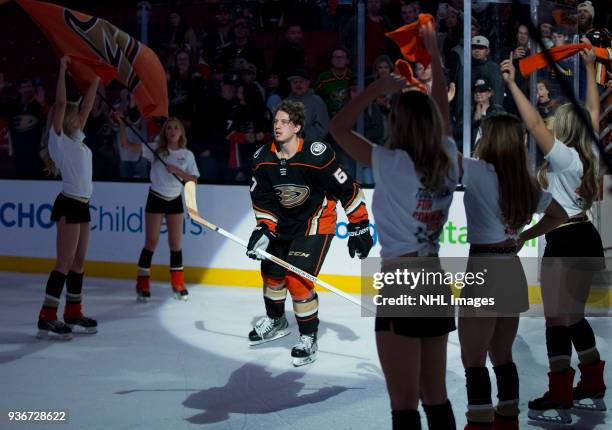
<point x="500" y="199"/>
<point x="415" y="181"/>
<point x="164" y="200"/>
<point x="65" y="153"/>
<point x="574" y="250"/>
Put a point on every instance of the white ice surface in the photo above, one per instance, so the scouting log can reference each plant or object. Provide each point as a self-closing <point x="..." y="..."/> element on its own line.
<point x="183" y="365"/>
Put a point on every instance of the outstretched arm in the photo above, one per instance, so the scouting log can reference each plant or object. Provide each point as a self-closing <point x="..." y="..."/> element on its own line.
<point x="592" y="96"/>
<point x="88" y="101"/>
<point x="341" y="126"/>
<point x="439" y="92"/>
<point x="532" y="119"/>
<point x="60" y="96"/>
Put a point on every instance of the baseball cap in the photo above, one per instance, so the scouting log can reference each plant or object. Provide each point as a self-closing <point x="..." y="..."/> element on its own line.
<point x="480" y="41"/>
<point x="298" y="73"/>
<point x="482" y="84"/>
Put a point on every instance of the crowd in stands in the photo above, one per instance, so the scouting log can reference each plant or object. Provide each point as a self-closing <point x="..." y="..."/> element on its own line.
<point x="229" y="64"/>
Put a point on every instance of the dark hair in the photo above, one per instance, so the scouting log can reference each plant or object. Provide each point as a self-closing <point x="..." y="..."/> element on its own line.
<point x="338" y="48"/>
<point x="416" y="127"/>
<point x="502" y="145"/>
<point x="25" y="79"/>
<point x="295" y="110"/>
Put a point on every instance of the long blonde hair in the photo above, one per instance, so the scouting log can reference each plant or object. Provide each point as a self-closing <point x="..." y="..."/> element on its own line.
<point x="162" y="148"/>
<point x="416" y="127"/>
<point x="502" y="145"/>
<point x="72" y="109"/>
<point x="569" y="129"/>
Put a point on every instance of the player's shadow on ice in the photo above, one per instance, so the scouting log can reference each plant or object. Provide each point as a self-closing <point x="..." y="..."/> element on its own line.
<point x="253" y="390"/>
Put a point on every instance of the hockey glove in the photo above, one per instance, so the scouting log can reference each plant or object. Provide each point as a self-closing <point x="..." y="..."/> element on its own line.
<point x="360" y="240"/>
<point x="259" y="241"/>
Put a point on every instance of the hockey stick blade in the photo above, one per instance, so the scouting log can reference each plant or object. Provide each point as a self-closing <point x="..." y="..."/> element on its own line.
<point x="192" y="209"/>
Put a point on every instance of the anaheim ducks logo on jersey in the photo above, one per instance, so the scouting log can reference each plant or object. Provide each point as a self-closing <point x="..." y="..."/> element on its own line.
<point x="290" y="195"/>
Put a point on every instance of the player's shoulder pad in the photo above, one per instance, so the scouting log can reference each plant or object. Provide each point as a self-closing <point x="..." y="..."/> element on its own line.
<point x="319" y="153"/>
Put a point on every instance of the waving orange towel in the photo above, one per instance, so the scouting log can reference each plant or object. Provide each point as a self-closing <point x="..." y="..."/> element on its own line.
<point x="535" y="62"/>
<point x="410" y="43"/>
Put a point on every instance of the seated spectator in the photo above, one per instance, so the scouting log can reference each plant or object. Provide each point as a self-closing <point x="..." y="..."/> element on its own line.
<point x="289" y="57"/>
<point x="131" y="164"/>
<point x="546" y="32"/>
<point x="333" y="85"/>
<point x="423" y="74"/>
<point x="523" y="44"/>
<point x="482" y="107"/>
<point x="317" y="118"/>
<point x="26" y="115"/>
<point x="143" y="28"/>
<point x="242" y="47"/>
<point x="482" y="66"/>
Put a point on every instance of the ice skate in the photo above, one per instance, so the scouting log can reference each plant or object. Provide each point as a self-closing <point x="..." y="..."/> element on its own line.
<point x="82" y="325"/>
<point x="589" y="393"/>
<point x="54" y="329"/>
<point x="554" y="405"/>
<point x="305" y="351"/>
<point x="177" y="281"/>
<point x="267" y="329"/>
<point x="143" y="289"/>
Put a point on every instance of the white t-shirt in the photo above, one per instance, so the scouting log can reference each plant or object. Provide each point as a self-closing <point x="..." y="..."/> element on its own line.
<point x="485" y="224"/>
<point x="409" y="218"/>
<point x="564" y="177"/>
<point x="73" y="159"/>
<point x="126" y="154"/>
<point x="162" y="181"/>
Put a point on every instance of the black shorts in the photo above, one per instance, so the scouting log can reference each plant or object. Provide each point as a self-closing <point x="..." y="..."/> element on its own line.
<point x="75" y="211"/>
<point x="504" y="282"/>
<point x="577" y="244"/>
<point x="157" y="205"/>
<point x="306" y="253"/>
<point x="414" y="321"/>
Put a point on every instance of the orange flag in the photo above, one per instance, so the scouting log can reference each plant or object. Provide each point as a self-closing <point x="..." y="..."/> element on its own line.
<point x="403" y="68"/>
<point x="410" y="42"/>
<point x="535" y="62"/>
<point x="97" y="47"/>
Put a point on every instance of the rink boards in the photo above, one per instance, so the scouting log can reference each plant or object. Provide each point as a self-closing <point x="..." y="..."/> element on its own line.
<point x="117" y="235"/>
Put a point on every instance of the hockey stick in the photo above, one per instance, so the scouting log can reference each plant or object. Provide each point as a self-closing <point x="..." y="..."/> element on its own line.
<point x="192" y="209"/>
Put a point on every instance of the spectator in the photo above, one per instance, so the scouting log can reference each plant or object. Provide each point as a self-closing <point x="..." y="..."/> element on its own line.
<point x="482" y="67"/>
<point x="452" y="29"/>
<point x="546" y="105"/>
<point x="376" y="43"/>
<point x="270" y="15"/>
<point x="212" y="155"/>
<point x="26" y="116"/>
<point x="243" y="47"/>
<point x="273" y="98"/>
<point x="144" y="29"/>
<point x="523" y="45"/>
<point x="186" y="89"/>
<point x="409" y="13"/>
<point x="333" y="85"/>
<point x="423" y="74"/>
<point x="218" y="35"/>
<point x="290" y="56"/>
<point x="101" y="140"/>
<point x="178" y="35"/>
<point x="546" y="32"/>
<point x="482" y="107"/>
<point x="317" y="118"/>
<point x="248" y="128"/>
<point x="586" y="13"/>
<point x="131" y="164"/>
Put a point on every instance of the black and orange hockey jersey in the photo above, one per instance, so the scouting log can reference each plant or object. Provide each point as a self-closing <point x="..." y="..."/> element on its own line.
<point x="297" y="197"/>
